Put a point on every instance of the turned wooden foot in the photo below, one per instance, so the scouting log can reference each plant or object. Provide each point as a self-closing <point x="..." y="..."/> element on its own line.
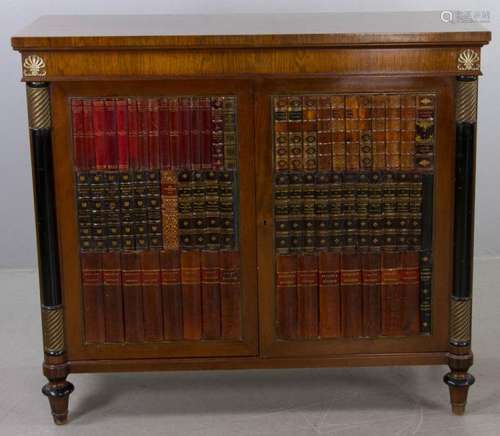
<point x="58" y="392"/>
<point x="458" y="381"/>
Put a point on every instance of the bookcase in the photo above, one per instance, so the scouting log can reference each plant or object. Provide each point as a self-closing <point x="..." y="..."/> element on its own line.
<point x="232" y="192"/>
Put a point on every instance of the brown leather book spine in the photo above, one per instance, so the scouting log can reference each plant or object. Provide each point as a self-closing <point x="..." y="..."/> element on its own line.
<point x="210" y="294"/>
<point x="295" y="133"/>
<point x="153" y="203"/>
<point x="191" y="294"/>
<point x="408" y="115"/>
<point x="378" y="132"/>
<point x="230" y="294"/>
<point x="133" y="310"/>
<point x="217" y="146"/>
<point x="424" y="135"/>
<point x="93" y="299"/>
<point x="393" y="132"/>
<point x="113" y="299"/>
<point x="324" y="136"/>
<point x="230" y="136"/>
<point x="169" y="212"/>
<point x="286" y="295"/>
<point x="392" y="297"/>
<point x="329" y="294"/>
<point x="338" y="133"/>
<point x="280" y="117"/>
<point x="365" y="133"/>
<point x="351" y="295"/>
<point x="206" y="133"/>
<point x="352" y="137"/>
<point x="307" y="296"/>
<point x="171" y="294"/>
<point x="310" y="132"/>
<point x="151" y="296"/>
<point x="371" y="294"/>
<point x="410" y="284"/>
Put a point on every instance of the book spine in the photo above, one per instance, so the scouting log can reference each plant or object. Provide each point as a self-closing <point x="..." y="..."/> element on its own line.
<point x="93" y="300"/>
<point x="97" y="190"/>
<point x="126" y="210"/>
<point x="80" y="156"/>
<point x="139" y="211"/>
<point x="365" y="133"/>
<point x="205" y="133"/>
<point x="153" y="134"/>
<point x="110" y="134"/>
<point x="339" y="133"/>
<point x="310" y="133"/>
<point x="133" y="133"/>
<point x="391" y="295"/>
<point x="352" y="138"/>
<point x="111" y="211"/>
<point x="322" y="222"/>
<point x="122" y="133"/>
<point x="378" y="132"/>
<point x="212" y="212"/>
<point x="408" y="119"/>
<point x="393" y="132"/>
<point x="281" y="146"/>
<point x="113" y="299"/>
<point x="410" y="284"/>
<point x="403" y="210"/>
<point x="324" y="136"/>
<point x="195" y="134"/>
<point x="389" y="205"/>
<point x="309" y="216"/>
<point x="169" y="210"/>
<point x="295" y="134"/>
<point x="415" y="211"/>
<point x="165" y="149"/>
<point x="371" y="294"/>
<point x="349" y="188"/>
<point x="230" y="139"/>
<point x="228" y="222"/>
<point x="198" y="221"/>
<point x="98" y="123"/>
<point x="210" y="294"/>
<point x="184" y="208"/>
<point x="89" y="136"/>
<point x="361" y="217"/>
<point x="424" y="136"/>
<point x="171" y="294"/>
<point x="151" y="295"/>
<point x="174" y="127"/>
<point x="376" y="210"/>
<point x="286" y="295"/>
<point x="335" y="207"/>
<point x="191" y="295"/>
<point x="307" y="295"/>
<point x="427" y="215"/>
<point x="143" y="122"/>
<point x="133" y="310"/>
<point x="329" y="294"/>
<point x="296" y="212"/>
<point x="230" y="294"/>
<point x="351" y="295"/>
<point x="154" y="211"/>
<point x="84" y="200"/>
<point x="217" y="146"/>
<point x="185" y="112"/>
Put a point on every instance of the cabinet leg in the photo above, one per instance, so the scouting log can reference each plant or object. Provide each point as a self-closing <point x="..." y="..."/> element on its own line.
<point x="58" y="391"/>
<point x="458" y="381"/>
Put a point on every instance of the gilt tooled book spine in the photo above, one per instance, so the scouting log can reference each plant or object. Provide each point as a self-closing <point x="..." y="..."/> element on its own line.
<point x="230" y="140"/>
<point x="217" y="146"/>
<point x="139" y="211"/>
<point x="169" y="210"/>
<point x="338" y="133"/>
<point x="210" y="294"/>
<point x="93" y="298"/>
<point x="389" y="205"/>
<point x="426" y="254"/>
<point x="295" y="134"/>
<point x="89" y="135"/>
<point x="228" y="224"/>
<point x="322" y="222"/>
<point x="351" y="295"/>
<point x="84" y="201"/>
<point x="153" y="204"/>
<point x="171" y="294"/>
<point x="424" y="137"/>
<point x="352" y="136"/>
<point x="126" y="210"/>
<point x="80" y="156"/>
<point x="403" y="210"/>
<point x="378" y="132"/>
<point x="165" y="149"/>
<point x="365" y="133"/>
<point x="185" y="112"/>
<point x="230" y="294"/>
<point x="151" y="295"/>
<point x="286" y="295"/>
<point x="198" y="221"/>
<point x="143" y="122"/>
<point x="194" y="134"/>
<point x="349" y="188"/>
<point x="371" y="294"/>
<point x="376" y="210"/>
<point x="391" y="294"/>
<point x="296" y="211"/>
<point x="174" y="129"/>
<point x="309" y="223"/>
<point x="98" y="123"/>
<point x="122" y="133"/>
<point x="205" y="133"/>
<point x="212" y="213"/>
<point x="329" y="294"/>
<point x="408" y="115"/>
<point x="281" y="213"/>
<point x="191" y="294"/>
<point x="110" y="134"/>
<point x="281" y="147"/>
<point x="307" y="295"/>
<point x="362" y="201"/>
<point x="324" y="134"/>
<point x="111" y="211"/>
<point x="415" y="211"/>
<point x="153" y="134"/>
<point x="410" y="284"/>
<point x="133" y="133"/>
<point x="97" y="190"/>
<point x="133" y="309"/>
<point x="113" y="298"/>
<point x="338" y="235"/>
<point x="393" y="132"/>
<point x="184" y="207"/>
<point x="310" y="135"/>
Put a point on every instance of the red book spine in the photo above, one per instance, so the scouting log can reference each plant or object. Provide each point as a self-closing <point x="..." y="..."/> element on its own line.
<point x="351" y="295"/>
<point x="371" y="294"/>
<point x="230" y="294"/>
<point x="195" y="133"/>
<point x="164" y="135"/>
<point x="80" y="158"/>
<point x="110" y="134"/>
<point x="174" y="126"/>
<point x="154" y="134"/>
<point x="113" y="301"/>
<point x="191" y="295"/>
<point x="151" y="295"/>
<point x="132" y="297"/>
<point x="88" y="129"/>
<point x="93" y="301"/>
<point x="307" y="296"/>
<point x="410" y="278"/>
<point x="185" y="130"/>
<point x="211" y="304"/>
<point x="286" y="288"/>
<point x="98" y="122"/>
<point x="217" y="145"/>
<point x="392" y="301"/>
<point x="329" y="294"/>
<point x="122" y="133"/>
<point x="205" y="133"/>
<point x="142" y="133"/>
<point x="133" y="134"/>
<point x="172" y="294"/>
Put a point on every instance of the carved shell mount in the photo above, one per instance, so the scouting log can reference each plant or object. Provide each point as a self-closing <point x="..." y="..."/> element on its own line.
<point x="468" y="60"/>
<point x="34" y="65"/>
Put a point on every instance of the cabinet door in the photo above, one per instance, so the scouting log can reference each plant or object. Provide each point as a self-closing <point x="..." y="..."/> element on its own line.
<point x="354" y="213"/>
<point x="155" y="200"/>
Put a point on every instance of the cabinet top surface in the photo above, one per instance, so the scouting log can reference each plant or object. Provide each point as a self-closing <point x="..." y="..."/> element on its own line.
<point x="247" y="30"/>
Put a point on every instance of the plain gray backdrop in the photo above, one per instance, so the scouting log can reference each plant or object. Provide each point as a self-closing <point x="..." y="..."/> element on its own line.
<point x="17" y="240"/>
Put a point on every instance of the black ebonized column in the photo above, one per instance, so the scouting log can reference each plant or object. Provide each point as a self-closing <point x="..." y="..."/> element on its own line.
<point x="460" y="356"/>
<point x="55" y="368"/>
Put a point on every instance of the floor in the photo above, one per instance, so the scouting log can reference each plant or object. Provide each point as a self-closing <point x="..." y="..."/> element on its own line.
<point x="356" y="402"/>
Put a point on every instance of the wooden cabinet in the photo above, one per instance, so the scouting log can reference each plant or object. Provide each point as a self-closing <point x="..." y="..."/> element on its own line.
<point x="252" y="200"/>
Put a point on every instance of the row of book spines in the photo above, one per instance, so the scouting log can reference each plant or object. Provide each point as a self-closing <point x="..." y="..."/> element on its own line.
<point x="161" y="296"/>
<point x="348" y="295"/>
<point x="168" y="133"/>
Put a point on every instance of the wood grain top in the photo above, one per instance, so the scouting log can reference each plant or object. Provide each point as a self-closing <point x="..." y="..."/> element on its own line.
<point x="247" y="30"/>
